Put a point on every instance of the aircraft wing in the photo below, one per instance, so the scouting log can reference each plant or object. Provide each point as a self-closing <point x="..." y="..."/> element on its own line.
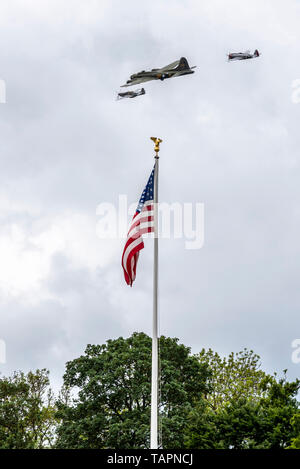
<point x="136" y="81"/>
<point x="170" y="66"/>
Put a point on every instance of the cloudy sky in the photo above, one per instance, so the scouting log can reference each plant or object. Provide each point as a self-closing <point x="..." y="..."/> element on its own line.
<point x="230" y="141"/>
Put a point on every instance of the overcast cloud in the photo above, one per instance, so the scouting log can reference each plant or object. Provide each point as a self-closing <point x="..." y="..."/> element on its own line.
<point x="230" y="140"/>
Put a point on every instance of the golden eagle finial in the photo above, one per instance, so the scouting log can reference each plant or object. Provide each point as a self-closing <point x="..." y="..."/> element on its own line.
<point x="157" y="141"/>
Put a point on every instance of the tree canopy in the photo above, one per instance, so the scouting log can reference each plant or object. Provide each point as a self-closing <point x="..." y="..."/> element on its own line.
<point x="27" y="411"/>
<point x="112" y="407"/>
<point x="264" y="423"/>
<point x="206" y="401"/>
<point x="245" y="409"/>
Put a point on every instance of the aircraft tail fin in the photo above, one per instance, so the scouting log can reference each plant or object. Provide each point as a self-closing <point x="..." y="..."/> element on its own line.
<point x="256" y="53"/>
<point x="183" y="64"/>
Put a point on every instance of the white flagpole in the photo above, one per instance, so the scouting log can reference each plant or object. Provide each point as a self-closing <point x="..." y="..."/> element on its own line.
<point x="154" y="374"/>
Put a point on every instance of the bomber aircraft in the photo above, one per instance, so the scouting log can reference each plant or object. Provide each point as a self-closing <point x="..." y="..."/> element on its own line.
<point x="243" y="55"/>
<point x="175" y="69"/>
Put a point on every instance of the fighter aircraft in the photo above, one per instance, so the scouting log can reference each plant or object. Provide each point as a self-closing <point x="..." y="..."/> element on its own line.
<point x="243" y="55"/>
<point x="175" y="69"/>
<point x="131" y="94"/>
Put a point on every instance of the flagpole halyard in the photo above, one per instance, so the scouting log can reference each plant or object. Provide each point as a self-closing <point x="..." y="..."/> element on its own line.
<point x="154" y="373"/>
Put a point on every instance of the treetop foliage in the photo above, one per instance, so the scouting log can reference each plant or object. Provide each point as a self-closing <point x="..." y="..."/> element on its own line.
<point x="206" y="401"/>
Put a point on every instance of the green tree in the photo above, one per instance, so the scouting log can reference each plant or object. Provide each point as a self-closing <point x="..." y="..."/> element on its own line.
<point x="27" y="412"/>
<point x="264" y="422"/>
<point x="295" y="443"/>
<point x="111" y="408"/>
<point x="232" y="377"/>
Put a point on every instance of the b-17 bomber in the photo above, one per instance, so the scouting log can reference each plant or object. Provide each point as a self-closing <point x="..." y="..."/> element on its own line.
<point x="175" y="69"/>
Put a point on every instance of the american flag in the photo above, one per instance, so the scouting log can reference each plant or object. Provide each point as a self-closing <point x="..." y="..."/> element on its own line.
<point x="142" y="222"/>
